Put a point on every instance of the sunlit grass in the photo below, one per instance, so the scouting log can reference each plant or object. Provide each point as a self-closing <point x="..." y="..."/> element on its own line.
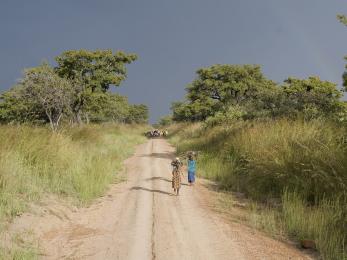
<point x="269" y="160"/>
<point x="77" y="162"/>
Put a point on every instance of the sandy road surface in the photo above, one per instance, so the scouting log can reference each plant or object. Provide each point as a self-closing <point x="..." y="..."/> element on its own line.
<point x="142" y="219"/>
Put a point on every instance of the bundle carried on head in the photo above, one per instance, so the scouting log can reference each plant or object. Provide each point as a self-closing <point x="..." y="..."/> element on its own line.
<point x="191" y="155"/>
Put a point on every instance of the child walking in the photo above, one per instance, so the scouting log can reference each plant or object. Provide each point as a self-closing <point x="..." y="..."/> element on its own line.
<point x="176" y="175"/>
<point x="191" y="169"/>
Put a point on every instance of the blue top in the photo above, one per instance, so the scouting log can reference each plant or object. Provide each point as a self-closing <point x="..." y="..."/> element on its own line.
<point x="191" y="165"/>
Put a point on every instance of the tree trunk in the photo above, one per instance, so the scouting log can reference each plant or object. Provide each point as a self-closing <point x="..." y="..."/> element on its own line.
<point x="77" y="117"/>
<point x="87" y="118"/>
<point x="76" y="111"/>
<point x="49" y="115"/>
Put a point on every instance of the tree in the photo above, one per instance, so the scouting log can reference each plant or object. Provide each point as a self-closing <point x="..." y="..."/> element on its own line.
<point x="43" y="87"/>
<point x="118" y="109"/>
<point x="14" y="108"/>
<point x="92" y="71"/>
<point x="223" y="93"/>
<point x="229" y="84"/>
<point x="40" y="96"/>
<point x="312" y="93"/>
<point x="165" y="121"/>
<point x="102" y="107"/>
<point x="138" y="114"/>
<point x="218" y="87"/>
<point x="192" y="111"/>
<point x="342" y="18"/>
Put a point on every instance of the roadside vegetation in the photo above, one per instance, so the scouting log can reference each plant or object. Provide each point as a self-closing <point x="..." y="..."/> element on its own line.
<point x="64" y="133"/>
<point x="293" y="172"/>
<point x="76" y="163"/>
<point x="282" y="145"/>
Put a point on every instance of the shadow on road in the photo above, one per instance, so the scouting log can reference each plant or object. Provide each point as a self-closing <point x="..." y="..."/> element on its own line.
<point x="153" y="191"/>
<point x="163" y="179"/>
<point x="160" y="155"/>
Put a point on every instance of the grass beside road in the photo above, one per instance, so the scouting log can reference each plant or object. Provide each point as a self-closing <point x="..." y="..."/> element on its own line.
<point x="78" y="163"/>
<point x="293" y="172"/>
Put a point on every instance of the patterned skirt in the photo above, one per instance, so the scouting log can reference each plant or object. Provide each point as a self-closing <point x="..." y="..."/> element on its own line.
<point x="176" y="180"/>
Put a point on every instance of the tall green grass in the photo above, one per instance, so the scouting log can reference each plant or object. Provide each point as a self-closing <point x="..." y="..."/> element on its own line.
<point x="76" y="162"/>
<point x="270" y="160"/>
<point x="325" y="223"/>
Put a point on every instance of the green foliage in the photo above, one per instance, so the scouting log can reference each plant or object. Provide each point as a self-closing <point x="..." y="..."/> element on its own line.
<point x="271" y="143"/>
<point x="138" y="114"/>
<point x="13" y="108"/>
<point x="194" y="111"/>
<point x="96" y="69"/>
<point x="220" y="86"/>
<point x="41" y="95"/>
<point x="312" y="93"/>
<point x="231" y="115"/>
<point x="92" y="71"/>
<point x="104" y="107"/>
<point x="229" y="84"/>
<point x="342" y="18"/>
<point x="42" y="87"/>
<point x="165" y="121"/>
<point x="341" y="116"/>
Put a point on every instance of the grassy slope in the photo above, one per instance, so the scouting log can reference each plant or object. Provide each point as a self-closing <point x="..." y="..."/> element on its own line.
<point x="301" y="165"/>
<point x="77" y="163"/>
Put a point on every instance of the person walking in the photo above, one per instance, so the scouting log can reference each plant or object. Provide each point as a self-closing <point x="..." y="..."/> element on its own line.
<point x="191" y="169"/>
<point x="176" y="175"/>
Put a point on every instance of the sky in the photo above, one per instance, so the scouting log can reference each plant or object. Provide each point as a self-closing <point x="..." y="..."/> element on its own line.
<point x="173" y="38"/>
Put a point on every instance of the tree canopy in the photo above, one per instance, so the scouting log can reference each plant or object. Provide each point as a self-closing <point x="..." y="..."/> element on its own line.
<point x="342" y="18"/>
<point x="97" y="70"/>
<point x="228" y="84"/>
<point x="220" y="86"/>
<point x="312" y="92"/>
<point x="242" y="91"/>
<point x="92" y="71"/>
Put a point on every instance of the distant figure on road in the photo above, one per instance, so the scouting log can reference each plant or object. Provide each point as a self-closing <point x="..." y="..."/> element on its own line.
<point x="176" y="175"/>
<point x="191" y="168"/>
<point x="165" y="133"/>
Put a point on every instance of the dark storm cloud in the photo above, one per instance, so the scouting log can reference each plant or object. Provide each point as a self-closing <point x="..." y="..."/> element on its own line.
<point x="174" y="38"/>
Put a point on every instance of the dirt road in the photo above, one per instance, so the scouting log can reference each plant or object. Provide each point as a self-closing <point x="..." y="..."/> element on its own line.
<point x="142" y="219"/>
